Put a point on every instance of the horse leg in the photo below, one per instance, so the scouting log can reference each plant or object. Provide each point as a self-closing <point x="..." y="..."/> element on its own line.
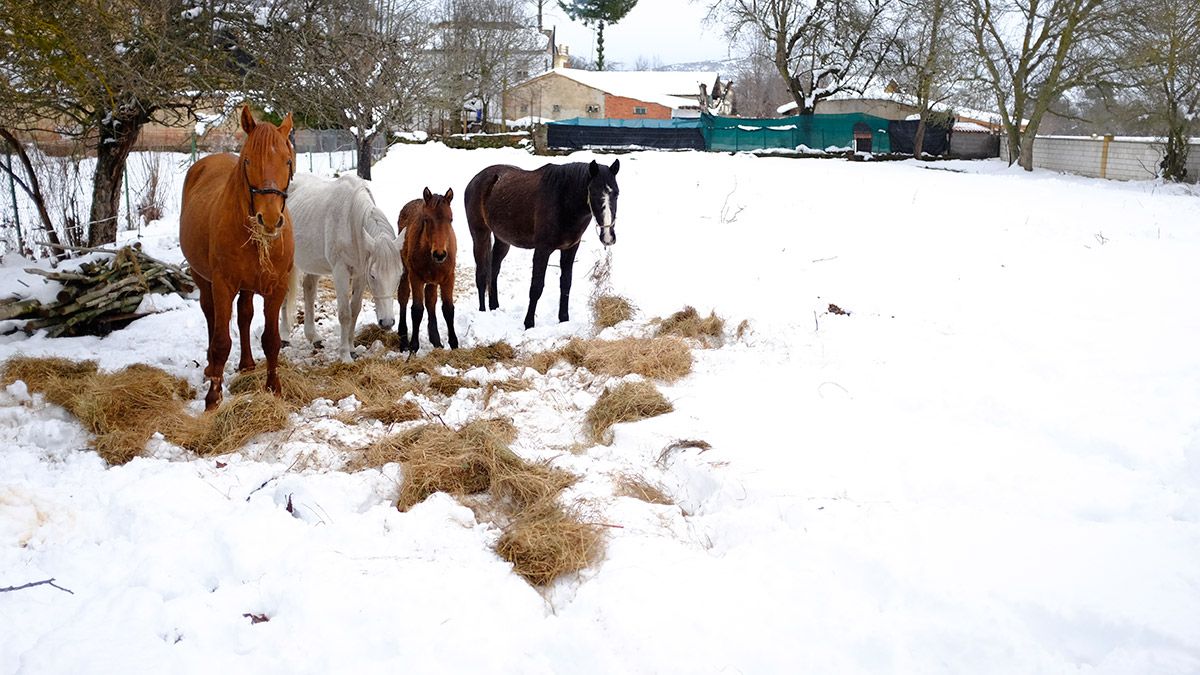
<point x="206" y="306"/>
<point x="431" y="305"/>
<point x="222" y="304"/>
<point x="310" y="319"/>
<point x="341" y="282"/>
<point x="417" y="310"/>
<point x="541" y="257"/>
<point x="483" y="261"/>
<point x="448" y="310"/>
<point x="566" y="261"/>
<point x="357" y="287"/>
<point x="287" y="315"/>
<point x="271" y="339"/>
<point x="499" y="250"/>
<point x="245" y="314"/>
<point x="402" y="292"/>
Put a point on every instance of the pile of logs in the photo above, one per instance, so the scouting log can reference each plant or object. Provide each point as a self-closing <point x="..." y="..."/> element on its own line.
<point x="99" y="297"/>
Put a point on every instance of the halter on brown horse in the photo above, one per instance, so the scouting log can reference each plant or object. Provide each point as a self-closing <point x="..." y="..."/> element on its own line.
<point x="236" y="234"/>
<point x="429" y="252"/>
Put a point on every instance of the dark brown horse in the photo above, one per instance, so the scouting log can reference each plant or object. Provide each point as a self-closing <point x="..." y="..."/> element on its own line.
<point x="428" y="254"/>
<point x="237" y="237"/>
<point x="547" y="210"/>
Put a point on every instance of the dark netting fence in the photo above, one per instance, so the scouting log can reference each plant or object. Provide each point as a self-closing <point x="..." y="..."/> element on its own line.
<point x="581" y="132"/>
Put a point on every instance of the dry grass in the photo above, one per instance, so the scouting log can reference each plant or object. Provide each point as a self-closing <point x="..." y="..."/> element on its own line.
<point x="633" y="485"/>
<point x="297" y="389"/>
<point x="742" y="328"/>
<point x="511" y="384"/>
<point x="627" y="402"/>
<point x="665" y="359"/>
<point x="688" y="323"/>
<point x="546" y="541"/>
<point x="681" y="444"/>
<point x="610" y="310"/>
<point x="390" y="338"/>
<point x="448" y="385"/>
<point x="390" y="413"/>
<point x="543" y="540"/>
<point x="240" y="418"/>
<point x="468" y="358"/>
<point x="123" y="409"/>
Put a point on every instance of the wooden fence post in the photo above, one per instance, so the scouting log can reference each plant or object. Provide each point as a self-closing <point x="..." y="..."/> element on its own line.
<point x="1104" y="156"/>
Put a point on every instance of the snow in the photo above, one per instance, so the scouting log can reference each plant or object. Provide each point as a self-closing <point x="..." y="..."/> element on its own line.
<point x="671" y="89"/>
<point x="991" y="465"/>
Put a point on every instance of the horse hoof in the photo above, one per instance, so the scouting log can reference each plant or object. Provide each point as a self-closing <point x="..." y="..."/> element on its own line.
<point x="245" y="368"/>
<point x="285" y="343"/>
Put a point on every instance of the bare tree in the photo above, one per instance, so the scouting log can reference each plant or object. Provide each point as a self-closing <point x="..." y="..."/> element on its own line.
<point x="100" y="70"/>
<point x="760" y="91"/>
<point x="818" y="47"/>
<point x="1161" y="43"/>
<point x="1033" y="51"/>
<point x="361" y="65"/>
<point x="927" y="61"/>
<point x="484" y="47"/>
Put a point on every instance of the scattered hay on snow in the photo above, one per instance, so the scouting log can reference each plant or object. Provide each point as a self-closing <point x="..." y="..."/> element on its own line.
<point x="545" y="541"/>
<point x="240" y="418"/>
<point x="638" y="487"/>
<point x="297" y="389"/>
<point x="448" y="385"/>
<point x="372" y="333"/>
<point x="681" y="444"/>
<point x="610" y="310"/>
<point x="688" y="323"/>
<point x="665" y="359"/>
<point x="123" y="408"/>
<point x="511" y="384"/>
<point x="626" y="402"/>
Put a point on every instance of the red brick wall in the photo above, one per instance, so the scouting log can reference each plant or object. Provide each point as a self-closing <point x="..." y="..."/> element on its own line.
<point x="621" y="108"/>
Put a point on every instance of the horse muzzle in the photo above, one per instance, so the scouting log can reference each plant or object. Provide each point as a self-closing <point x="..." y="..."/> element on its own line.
<point x="440" y="257"/>
<point x="387" y="324"/>
<point x="608" y="236"/>
<point x="270" y="232"/>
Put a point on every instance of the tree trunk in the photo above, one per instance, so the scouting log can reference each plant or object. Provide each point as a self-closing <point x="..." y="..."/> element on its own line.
<point x="919" y="139"/>
<point x="363" y="146"/>
<point x="33" y="189"/>
<point x="1026" y="146"/>
<point x="600" y="46"/>
<point x="112" y="151"/>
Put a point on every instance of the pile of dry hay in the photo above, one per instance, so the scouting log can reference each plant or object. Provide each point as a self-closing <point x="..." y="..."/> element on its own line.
<point x="626" y="402"/>
<point x="542" y="539"/>
<point x="688" y="323"/>
<point x="379" y="384"/>
<point x="125" y="408"/>
<point x="610" y="310"/>
<point x="665" y="359"/>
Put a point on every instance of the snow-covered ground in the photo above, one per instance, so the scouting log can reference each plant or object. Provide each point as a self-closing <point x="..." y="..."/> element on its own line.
<point x="991" y="465"/>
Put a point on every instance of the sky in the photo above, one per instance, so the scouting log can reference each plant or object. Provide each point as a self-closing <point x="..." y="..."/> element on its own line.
<point x="669" y="30"/>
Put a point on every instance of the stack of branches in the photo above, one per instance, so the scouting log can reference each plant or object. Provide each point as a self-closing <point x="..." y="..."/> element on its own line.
<point x="101" y="296"/>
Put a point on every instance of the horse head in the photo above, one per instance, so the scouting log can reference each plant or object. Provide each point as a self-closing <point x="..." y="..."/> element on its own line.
<point x="267" y="166"/>
<point x="436" y="231"/>
<point x="602" y="199"/>
<point x="384" y="269"/>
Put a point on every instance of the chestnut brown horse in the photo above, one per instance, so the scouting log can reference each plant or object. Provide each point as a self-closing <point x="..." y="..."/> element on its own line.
<point x="430" y="248"/>
<point x="236" y="234"/>
<point x="547" y="210"/>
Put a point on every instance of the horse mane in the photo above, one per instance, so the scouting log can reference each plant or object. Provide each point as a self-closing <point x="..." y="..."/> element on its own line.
<point x="260" y="141"/>
<point x="564" y="179"/>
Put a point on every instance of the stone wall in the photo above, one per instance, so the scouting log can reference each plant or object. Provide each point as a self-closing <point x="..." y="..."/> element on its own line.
<point x="1125" y="159"/>
<point x="539" y="97"/>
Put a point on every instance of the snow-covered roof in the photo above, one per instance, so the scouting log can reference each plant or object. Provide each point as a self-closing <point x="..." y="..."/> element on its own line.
<point x="667" y="88"/>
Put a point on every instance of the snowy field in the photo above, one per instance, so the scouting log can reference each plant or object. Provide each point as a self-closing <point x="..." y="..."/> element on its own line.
<point x="991" y="465"/>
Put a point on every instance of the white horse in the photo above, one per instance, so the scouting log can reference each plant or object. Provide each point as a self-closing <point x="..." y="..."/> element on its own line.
<point x="340" y="232"/>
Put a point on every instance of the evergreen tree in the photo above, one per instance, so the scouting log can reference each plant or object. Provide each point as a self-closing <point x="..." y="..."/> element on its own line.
<point x="598" y="13"/>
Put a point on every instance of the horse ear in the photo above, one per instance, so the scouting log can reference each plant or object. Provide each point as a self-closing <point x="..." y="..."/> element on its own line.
<point x="449" y="194"/>
<point x="247" y="119"/>
<point x="285" y="127"/>
<point x="428" y="195"/>
<point x="593" y="169"/>
<point x="616" y="166"/>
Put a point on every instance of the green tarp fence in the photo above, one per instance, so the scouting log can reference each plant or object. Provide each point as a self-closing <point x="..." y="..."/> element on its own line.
<point x="814" y="132"/>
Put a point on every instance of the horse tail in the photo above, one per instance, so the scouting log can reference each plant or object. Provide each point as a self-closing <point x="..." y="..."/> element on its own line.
<point x="488" y="184"/>
<point x="288" y="315"/>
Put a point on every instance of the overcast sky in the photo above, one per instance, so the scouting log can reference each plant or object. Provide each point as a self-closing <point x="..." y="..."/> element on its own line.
<point x="669" y="30"/>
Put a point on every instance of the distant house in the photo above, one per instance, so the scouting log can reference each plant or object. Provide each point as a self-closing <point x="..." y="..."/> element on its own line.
<point x="887" y="108"/>
<point x="566" y="93"/>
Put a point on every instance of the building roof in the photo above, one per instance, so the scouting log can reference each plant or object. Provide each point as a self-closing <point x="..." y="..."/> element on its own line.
<point x="666" y="88"/>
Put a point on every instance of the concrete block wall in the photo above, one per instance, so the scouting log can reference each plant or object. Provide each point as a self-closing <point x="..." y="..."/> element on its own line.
<point x="1128" y="159"/>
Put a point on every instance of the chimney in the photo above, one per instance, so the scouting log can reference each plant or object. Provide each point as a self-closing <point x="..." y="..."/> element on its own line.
<point x="561" y="57"/>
